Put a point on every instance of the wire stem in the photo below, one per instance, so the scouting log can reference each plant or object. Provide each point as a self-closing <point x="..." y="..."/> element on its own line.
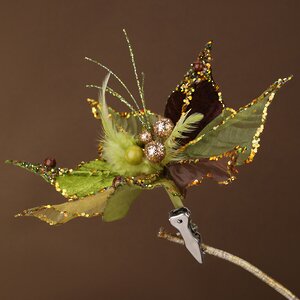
<point x="237" y="261"/>
<point x="113" y="74"/>
<point x="133" y="65"/>
<point x="140" y="88"/>
<point x="113" y="93"/>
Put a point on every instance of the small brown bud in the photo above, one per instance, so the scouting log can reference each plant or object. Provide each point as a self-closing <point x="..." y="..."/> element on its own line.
<point x="50" y="163"/>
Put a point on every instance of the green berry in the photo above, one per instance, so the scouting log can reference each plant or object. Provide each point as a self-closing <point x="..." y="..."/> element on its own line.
<point x="134" y="155"/>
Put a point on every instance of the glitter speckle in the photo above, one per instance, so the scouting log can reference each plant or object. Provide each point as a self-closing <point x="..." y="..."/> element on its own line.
<point x="155" y="151"/>
<point x="163" y="127"/>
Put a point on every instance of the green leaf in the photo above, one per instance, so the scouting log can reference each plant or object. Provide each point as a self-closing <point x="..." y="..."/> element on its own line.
<point x="130" y="122"/>
<point x="95" y="165"/>
<point x="119" y="202"/>
<point x="112" y="203"/>
<point x="89" y="178"/>
<point x="127" y="121"/>
<point x="240" y="129"/>
<point x="90" y="188"/>
<point x="87" y="207"/>
<point x="227" y="112"/>
<point x="47" y="174"/>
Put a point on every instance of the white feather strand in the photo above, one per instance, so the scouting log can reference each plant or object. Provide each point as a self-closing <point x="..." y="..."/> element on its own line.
<point x="106" y="120"/>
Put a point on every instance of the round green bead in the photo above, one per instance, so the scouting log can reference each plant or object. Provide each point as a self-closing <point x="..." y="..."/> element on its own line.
<point x="134" y="155"/>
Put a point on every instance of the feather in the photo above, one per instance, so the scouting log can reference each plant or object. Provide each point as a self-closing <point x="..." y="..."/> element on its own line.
<point x="115" y="143"/>
<point x="108" y="127"/>
<point x="114" y="151"/>
<point x="185" y="125"/>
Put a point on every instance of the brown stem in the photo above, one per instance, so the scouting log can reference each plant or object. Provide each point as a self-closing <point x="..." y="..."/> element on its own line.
<point x="237" y="261"/>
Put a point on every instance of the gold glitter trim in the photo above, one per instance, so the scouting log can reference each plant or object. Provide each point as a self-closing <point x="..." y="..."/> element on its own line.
<point x="231" y="167"/>
<point x="256" y="138"/>
<point x="87" y="207"/>
<point x="201" y="136"/>
<point x="271" y="91"/>
<point x="65" y="171"/>
<point x="95" y="106"/>
<point x="193" y="77"/>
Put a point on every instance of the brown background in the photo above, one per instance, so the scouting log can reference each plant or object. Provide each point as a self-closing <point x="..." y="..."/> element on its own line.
<point x="44" y="113"/>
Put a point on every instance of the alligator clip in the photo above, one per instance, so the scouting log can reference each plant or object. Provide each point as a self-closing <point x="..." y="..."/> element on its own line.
<point x="180" y="219"/>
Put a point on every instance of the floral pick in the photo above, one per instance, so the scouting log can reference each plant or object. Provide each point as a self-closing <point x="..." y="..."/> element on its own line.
<point x="198" y="137"/>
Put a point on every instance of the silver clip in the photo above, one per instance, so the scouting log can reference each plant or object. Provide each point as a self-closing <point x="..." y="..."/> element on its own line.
<point x="180" y="219"/>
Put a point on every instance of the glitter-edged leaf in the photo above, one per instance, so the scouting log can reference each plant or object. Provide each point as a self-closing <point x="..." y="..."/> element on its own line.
<point x="197" y="93"/>
<point x="226" y="112"/>
<point x="39" y="169"/>
<point x="191" y="173"/>
<point x="89" y="206"/>
<point x="88" y="178"/>
<point x="240" y="129"/>
<point x="112" y="202"/>
<point x="119" y="202"/>
<point x="124" y="121"/>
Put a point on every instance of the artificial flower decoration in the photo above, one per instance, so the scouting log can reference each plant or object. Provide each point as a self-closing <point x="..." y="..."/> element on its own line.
<point x="198" y="137"/>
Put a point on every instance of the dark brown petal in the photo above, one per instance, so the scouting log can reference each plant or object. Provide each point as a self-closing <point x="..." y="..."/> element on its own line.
<point x="198" y="93"/>
<point x="192" y="173"/>
<point x="173" y="107"/>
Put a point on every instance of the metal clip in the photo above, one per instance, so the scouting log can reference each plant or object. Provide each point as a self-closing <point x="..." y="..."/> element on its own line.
<point x="180" y="219"/>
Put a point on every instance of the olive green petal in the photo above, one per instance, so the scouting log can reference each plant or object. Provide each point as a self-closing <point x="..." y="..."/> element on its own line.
<point x="240" y="130"/>
<point x="87" y="179"/>
<point x="227" y="112"/>
<point x="127" y="121"/>
<point x="87" y="207"/>
<point x="94" y="165"/>
<point x="118" y="203"/>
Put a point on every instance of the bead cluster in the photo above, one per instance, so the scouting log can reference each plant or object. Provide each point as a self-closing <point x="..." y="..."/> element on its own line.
<point x="154" y="149"/>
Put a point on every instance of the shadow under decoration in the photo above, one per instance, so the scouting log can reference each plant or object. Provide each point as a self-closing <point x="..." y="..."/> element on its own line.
<point x="198" y="137"/>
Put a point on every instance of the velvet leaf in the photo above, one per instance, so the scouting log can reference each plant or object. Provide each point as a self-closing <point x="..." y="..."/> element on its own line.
<point x="238" y="130"/>
<point x="197" y="93"/>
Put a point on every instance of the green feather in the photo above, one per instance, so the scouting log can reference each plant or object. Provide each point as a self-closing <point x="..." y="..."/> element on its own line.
<point x="185" y="124"/>
<point x="108" y="127"/>
<point x="114" y="153"/>
<point x="115" y="143"/>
